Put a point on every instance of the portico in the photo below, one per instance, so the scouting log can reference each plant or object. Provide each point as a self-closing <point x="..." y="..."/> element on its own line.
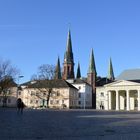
<point x="120" y="95"/>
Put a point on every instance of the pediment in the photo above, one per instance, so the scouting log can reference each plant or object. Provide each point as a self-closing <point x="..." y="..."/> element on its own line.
<point x="122" y="83"/>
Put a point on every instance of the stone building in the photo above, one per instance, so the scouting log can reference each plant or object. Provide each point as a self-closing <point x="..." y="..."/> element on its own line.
<point x="122" y="94"/>
<point x="66" y="89"/>
<point x="61" y="94"/>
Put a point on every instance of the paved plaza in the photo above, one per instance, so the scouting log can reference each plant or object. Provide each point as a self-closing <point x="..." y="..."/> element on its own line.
<point x="69" y="125"/>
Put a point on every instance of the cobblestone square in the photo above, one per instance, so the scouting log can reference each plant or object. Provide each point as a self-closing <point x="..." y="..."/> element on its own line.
<point x="69" y="125"/>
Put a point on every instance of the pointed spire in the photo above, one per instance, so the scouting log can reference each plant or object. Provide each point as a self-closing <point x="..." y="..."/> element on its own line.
<point x="78" y="71"/>
<point x="68" y="65"/>
<point x="69" y="54"/>
<point x="110" y="71"/>
<point x="58" y="70"/>
<point x="92" y="67"/>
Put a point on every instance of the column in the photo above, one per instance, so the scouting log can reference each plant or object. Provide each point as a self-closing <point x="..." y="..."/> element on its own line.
<point x="109" y="100"/>
<point x="139" y="100"/>
<point x="117" y="100"/>
<point x="127" y="100"/>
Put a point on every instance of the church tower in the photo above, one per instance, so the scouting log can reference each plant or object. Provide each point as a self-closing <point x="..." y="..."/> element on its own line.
<point x="110" y="71"/>
<point x="68" y="65"/>
<point x="91" y="78"/>
<point x="78" y="72"/>
<point x="58" y="70"/>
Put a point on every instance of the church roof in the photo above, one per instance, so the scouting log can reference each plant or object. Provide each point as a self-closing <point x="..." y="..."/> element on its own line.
<point x="80" y="81"/>
<point x="68" y="57"/>
<point x="58" y="70"/>
<point x="130" y="74"/>
<point x="92" y="67"/>
<point x="110" y="71"/>
<point x="78" y="71"/>
<point x="102" y="81"/>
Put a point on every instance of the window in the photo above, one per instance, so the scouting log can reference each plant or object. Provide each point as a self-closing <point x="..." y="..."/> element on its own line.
<point x="31" y="101"/>
<point x="9" y="100"/>
<point x="36" y="101"/>
<point x="79" y="87"/>
<point x="102" y="94"/>
<point x="57" y="101"/>
<point x="58" y="94"/>
<point x="79" y="95"/>
<point x="32" y="93"/>
<point x="79" y="102"/>
<point x="51" y="101"/>
<point x="19" y="93"/>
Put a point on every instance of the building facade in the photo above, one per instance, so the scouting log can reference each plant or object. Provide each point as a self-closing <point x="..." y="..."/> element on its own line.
<point x="10" y="98"/>
<point x="61" y="94"/>
<point x="120" y="94"/>
<point x="84" y="93"/>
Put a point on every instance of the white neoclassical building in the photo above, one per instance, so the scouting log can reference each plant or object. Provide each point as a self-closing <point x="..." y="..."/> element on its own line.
<point x="120" y="94"/>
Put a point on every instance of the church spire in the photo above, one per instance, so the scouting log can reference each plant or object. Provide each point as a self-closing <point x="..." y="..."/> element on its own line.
<point x="91" y="78"/>
<point x="78" y="71"/>
<point x="68" y="67"/>
<point x="110" y="71"/>
<point x="92" y="67"/>
<point x="69" y="53"/>
<point x="58" y="70"/>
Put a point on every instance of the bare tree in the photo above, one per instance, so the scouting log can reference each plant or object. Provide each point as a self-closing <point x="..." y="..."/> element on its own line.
<point x="46" y="72"/>
<point x="43" y="77"/>
<point x="8" y="75"/>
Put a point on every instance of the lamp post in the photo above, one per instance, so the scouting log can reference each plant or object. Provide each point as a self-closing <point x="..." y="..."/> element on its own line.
<point x="20" y="76"/>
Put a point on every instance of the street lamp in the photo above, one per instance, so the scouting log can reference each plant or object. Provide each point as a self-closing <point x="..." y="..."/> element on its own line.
<point x="20" y="76"/>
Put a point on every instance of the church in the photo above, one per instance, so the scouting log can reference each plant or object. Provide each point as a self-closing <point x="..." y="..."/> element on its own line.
<point x="67" y="90"/>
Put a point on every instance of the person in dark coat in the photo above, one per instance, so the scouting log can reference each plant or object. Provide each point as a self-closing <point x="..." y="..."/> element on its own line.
<point x="20" y="105"/>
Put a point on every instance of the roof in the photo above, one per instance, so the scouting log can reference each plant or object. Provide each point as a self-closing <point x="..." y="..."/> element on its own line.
<point x="58" y="83"/>
<point x="102" y="81"/>
<point x="80" y="81"/>
<point x="130" y="74"/>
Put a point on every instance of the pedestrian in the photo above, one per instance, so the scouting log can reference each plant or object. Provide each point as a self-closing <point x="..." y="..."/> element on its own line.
<point x="20" y="106"/>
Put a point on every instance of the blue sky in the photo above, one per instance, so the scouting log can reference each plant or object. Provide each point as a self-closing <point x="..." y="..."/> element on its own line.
<point x="34" y="32"/>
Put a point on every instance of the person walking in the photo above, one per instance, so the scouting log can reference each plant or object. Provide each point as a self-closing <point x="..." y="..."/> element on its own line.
<point x="20" y="106"/>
